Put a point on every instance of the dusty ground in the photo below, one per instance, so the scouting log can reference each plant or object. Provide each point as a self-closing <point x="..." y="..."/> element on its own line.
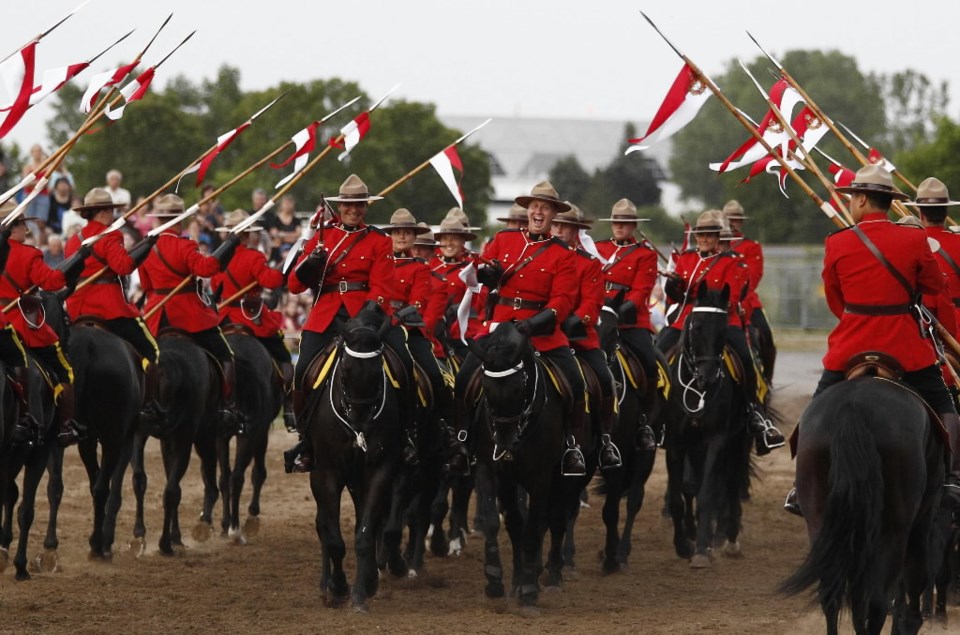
<point x="271" y="584"/>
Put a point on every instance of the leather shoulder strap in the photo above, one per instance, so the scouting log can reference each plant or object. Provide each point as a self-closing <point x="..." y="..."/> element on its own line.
<point x="950" y="261"/>
<point x="526" y="261"/>
<point x="156" y="250"/>
<point x="911" y="292"/>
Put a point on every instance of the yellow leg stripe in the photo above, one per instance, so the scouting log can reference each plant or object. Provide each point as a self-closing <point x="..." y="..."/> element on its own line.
<point x="16" y="340"/>
<point x="63" y="362"/>
<point x="152" y="340"/>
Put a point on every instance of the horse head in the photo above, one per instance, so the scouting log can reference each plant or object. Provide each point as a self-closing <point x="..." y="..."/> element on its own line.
<point x="509" y="385"/>
<point x="361" y="365"/>
<point x="704" y="335"/>
<point x="54" y="312"/>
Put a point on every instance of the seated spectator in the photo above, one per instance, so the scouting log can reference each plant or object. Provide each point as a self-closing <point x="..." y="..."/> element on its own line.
<point x="284" y="229"/>
<point x="53" y="251"/>
<point x="61" y="201"/>
<point x="119" y="195"/>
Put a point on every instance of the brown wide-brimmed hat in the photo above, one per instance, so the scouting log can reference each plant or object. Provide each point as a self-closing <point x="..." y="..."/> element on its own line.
<point x="709" y="222"/>
<point x="354" y="190"/>
<point x="236" y="217"/>
<point x="733" y="210"/>
<point x="11" y="205"/>
<point x="403" y="219"/>
<point x="573" y="216"/>
<point x="516" y="213"/>
<point x="96" y="199"/>
<point x="624" y="211"/>
<point x="452" y="227"/>
<point x="932" y="192"/>
<point x="543" y="191"/>
<point x="461" y="216"/>
<point x="873" y="178"/>
<point x="167" y="206"/>
<point x="426" y="238"/>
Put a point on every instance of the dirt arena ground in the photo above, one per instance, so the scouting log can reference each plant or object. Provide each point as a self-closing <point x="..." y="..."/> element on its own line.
<point x="271" y="583"/>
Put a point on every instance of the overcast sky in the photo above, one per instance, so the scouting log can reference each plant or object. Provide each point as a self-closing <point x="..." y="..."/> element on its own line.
<point x="554" y="58"/>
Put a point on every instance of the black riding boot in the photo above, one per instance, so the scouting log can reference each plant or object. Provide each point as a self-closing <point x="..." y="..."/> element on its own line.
<point x="27" y="430"/>
<point x="232" y="420"/>
<point x="297" y="458"/>
<point x="572" y="462"/>
<point x="951" y="485"/>
<point x="609" y="452"/>
<point x="289" y="418"/>
<point x="71" y="431"/>
<point x="766" y="435"/>
<point x="151" y="414"/>
<point x="458" y="456"/>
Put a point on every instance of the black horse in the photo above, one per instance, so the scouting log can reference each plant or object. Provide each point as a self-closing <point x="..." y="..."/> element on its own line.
<point x="189" y="394"/>
<point x="640" y="403"/>
<point x="706" y="430"/>
<point x="870" y="464"/>
<point x="519" y="443"/>
<point x="356" y="436"/>
<point x="108" y="392"/>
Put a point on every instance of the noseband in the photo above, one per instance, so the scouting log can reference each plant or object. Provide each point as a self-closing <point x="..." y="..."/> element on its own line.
<point x="691" y="364"/>
<point x="522" y="419"/>
<point x="344" y="406"/>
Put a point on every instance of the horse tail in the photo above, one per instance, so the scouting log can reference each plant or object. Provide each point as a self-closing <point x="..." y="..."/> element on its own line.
<point x="843" y="554"/>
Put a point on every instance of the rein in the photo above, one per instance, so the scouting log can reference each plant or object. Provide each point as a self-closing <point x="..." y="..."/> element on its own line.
<point x="536" y="400"/>
<point x="690" y="364"/>
<point x="343" y="406"/>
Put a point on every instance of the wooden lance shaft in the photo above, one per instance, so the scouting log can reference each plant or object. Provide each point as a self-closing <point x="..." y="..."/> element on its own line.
<point x="238" y="294"/>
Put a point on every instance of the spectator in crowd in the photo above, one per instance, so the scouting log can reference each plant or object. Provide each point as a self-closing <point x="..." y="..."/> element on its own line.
<point x="53" y="251"/>
<point x="257" y="200"/>
<point x="284" y="229"/>
<point x="70" y="221"/>
<point x="39" y="207"/>
<point x="119" y="195"/>
<point x="61" y="202"/>
<point x="142" y="221"/>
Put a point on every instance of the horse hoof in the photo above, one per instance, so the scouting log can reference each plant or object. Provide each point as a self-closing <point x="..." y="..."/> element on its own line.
<point x="251" y="527"/>
<point x="494" y="590"/>
<point x="360" y="607"/>
<point x="22" y="576"/>
<point x="412" y="574"/>
<point x="732" y="549"/>
<point x="236" y="536"/>
<point x="528" y="612"/>
<point x="202" y="532"/>
<point x="700" y="561"/>
<point x="552" y="588"/>
<point x="138" y="547"/>
<point x="47" y="561"/>
<point x="455" y="547"/>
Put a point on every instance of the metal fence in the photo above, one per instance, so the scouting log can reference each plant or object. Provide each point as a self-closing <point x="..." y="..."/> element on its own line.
<point x="792" y="289"/>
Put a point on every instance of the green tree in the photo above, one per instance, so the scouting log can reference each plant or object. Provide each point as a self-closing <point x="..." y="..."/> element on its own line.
<point x="913" y="105"/>
<point x="569" y="177"/>
<point x="838" y="87"/>
<point x="937" y="157"/>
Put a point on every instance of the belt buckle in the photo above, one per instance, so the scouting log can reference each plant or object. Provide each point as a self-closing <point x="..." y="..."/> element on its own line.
<point x="608" y="285"/>
<point x="516" y="303"/>
<point x="342" y="285"/>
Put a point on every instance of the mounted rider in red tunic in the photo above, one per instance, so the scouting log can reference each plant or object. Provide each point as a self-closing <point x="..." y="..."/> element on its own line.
<point x="866" y="271"/>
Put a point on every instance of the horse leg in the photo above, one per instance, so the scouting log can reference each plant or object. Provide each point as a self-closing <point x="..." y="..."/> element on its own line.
<point x="100" y="489"/>
<point x="439" y="544"/>
<point x="538" y="516"/>
<point x="707" y="502"/>
<point x="243" y="459"/>
<point x="176" y="459"/>
<point x="737" y="481"/>
<point x="209" y="450"/>
<point x="115" y="497"/>
<point x="139" y="489"/>
<point x="12" y="495"/>
<point x="54" y="496"/>
<point x="258" y="476"/>
<point x="370" y="523"/>
<point x="611" y="520"/>
<point x="675" y="471"/>
<point x="635" y="496"/>
<point x="460" y="500"/>
<point x="32" y="473"/>
<point x="326" y="490"/>
<point x="224" y="483"/>
<point x="562" y="518"/>
<point x="389" y="555"/>
<point x="490" y="525"/>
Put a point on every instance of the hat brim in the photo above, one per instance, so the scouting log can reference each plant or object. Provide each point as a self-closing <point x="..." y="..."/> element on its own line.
<point x="507" y="219"/>
<point x="871" y="188"/>
<point x="524" y="201"/>
<point x="740" y="217"/>
<point x="97" y="206"/>
<point x="466" y="235"/>
<point x="947" y="203"/>
<point x="623" y="220"/>
<point x="575" y="223"/>
<point x="354" y="199"/>
<point x="164" y="214"/>
<point x="706" y="230"/>
<point x="416" y="228"/>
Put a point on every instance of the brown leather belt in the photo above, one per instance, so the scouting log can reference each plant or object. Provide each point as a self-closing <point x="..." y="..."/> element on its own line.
<point x="519" y="303"/>
<point x="397" y="304"/>
<point x="877" y="309"/>
<point x="616" y="286"/>
<point x="345" y="287"/>
<point x="187" y="289"/>
<point x="102" y="280"/>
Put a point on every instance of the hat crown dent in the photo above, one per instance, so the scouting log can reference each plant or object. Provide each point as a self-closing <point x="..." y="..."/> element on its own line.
<point x="168" y="203"/>
<point x="403" y="216"/>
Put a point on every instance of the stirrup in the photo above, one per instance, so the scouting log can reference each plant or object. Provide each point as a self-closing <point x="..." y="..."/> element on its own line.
<point x="26" y="432"/>
<point x="71" y="432"/>
<point x="289" y="421"/>
<point x="610" y="446"/>
<point x="791" y="504"/>
<point x="579" y="469"/>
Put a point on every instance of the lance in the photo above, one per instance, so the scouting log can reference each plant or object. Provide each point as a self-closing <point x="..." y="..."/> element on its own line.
<point x="655" y="248"/>
<point x="47" y="32"/>
<point x="58" y="155"/>
<point x="238" y="294"/>
<point x="409" y="175"/>
<point x="816" y="109"/>
<point x="825" y="207"/>
<point x="805" y="158"/>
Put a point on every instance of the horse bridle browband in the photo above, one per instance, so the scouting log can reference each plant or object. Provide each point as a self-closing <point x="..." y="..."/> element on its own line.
<point x="691" y="362"/>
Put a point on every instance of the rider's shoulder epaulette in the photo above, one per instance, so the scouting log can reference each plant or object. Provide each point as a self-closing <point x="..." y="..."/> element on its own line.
<point x="556" y="241"/>
<point x="586" y="254"/>
<point x="375" y="229"/>
<point x="422" y="261"/>
<point x="837" y="231"/>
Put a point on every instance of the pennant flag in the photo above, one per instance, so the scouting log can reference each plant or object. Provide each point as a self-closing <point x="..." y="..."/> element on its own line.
<point x="769" y="165"/>
<point x="27" y="65"/>
<point x="54" y="79"/>
<point x="445" y="162"/>
<point x="469" y="276"/>
<point x="304" y="142"/>
<point x="586" y="241"/>
<point x="842" y="176"/>
<point x="874" y="156"/>
<point x="223" y="141"/>
<point x="133" y="91"/>
<point x="103" y="80"/>
<point x="352" y="133"/>
<point x="684" y="100"/>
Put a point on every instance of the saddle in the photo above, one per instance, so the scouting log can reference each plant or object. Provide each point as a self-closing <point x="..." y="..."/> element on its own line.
<point x="873" y="364"/>
<point x="559" y="379"/>
<point x="233" y="328"/>
<point x="424" y="388"/>
<point x="94" y="322"/>
<point x="319" y="368"/>
<point x="592" y="385"/>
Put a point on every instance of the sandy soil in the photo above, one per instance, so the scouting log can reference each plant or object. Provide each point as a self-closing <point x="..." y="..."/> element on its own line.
<point x="271" y="583"/>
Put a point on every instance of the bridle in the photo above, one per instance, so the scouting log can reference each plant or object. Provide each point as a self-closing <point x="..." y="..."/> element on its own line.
<point x="690" y="363"/>
<point x="344" y="406"/>
<point x="535" y="398"/>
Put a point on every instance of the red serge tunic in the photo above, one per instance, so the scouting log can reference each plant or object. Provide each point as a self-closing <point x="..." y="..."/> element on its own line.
<point x="752" y="254"/>
<point x="949" y="247"/>
<point x="362" y="257"/>
<point x="852" y="275"/>
<point x="631" y="267"/>
<point x="411" y="284"/>
<point x="170" y="261"/>
<point x="717" y="270"/>
<point x="103" y="298"/>
<point x="246" y="266"/>
<point x="589" y="300"/>
<point x="25" y="268"/>
<point x="549" y="278"/>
